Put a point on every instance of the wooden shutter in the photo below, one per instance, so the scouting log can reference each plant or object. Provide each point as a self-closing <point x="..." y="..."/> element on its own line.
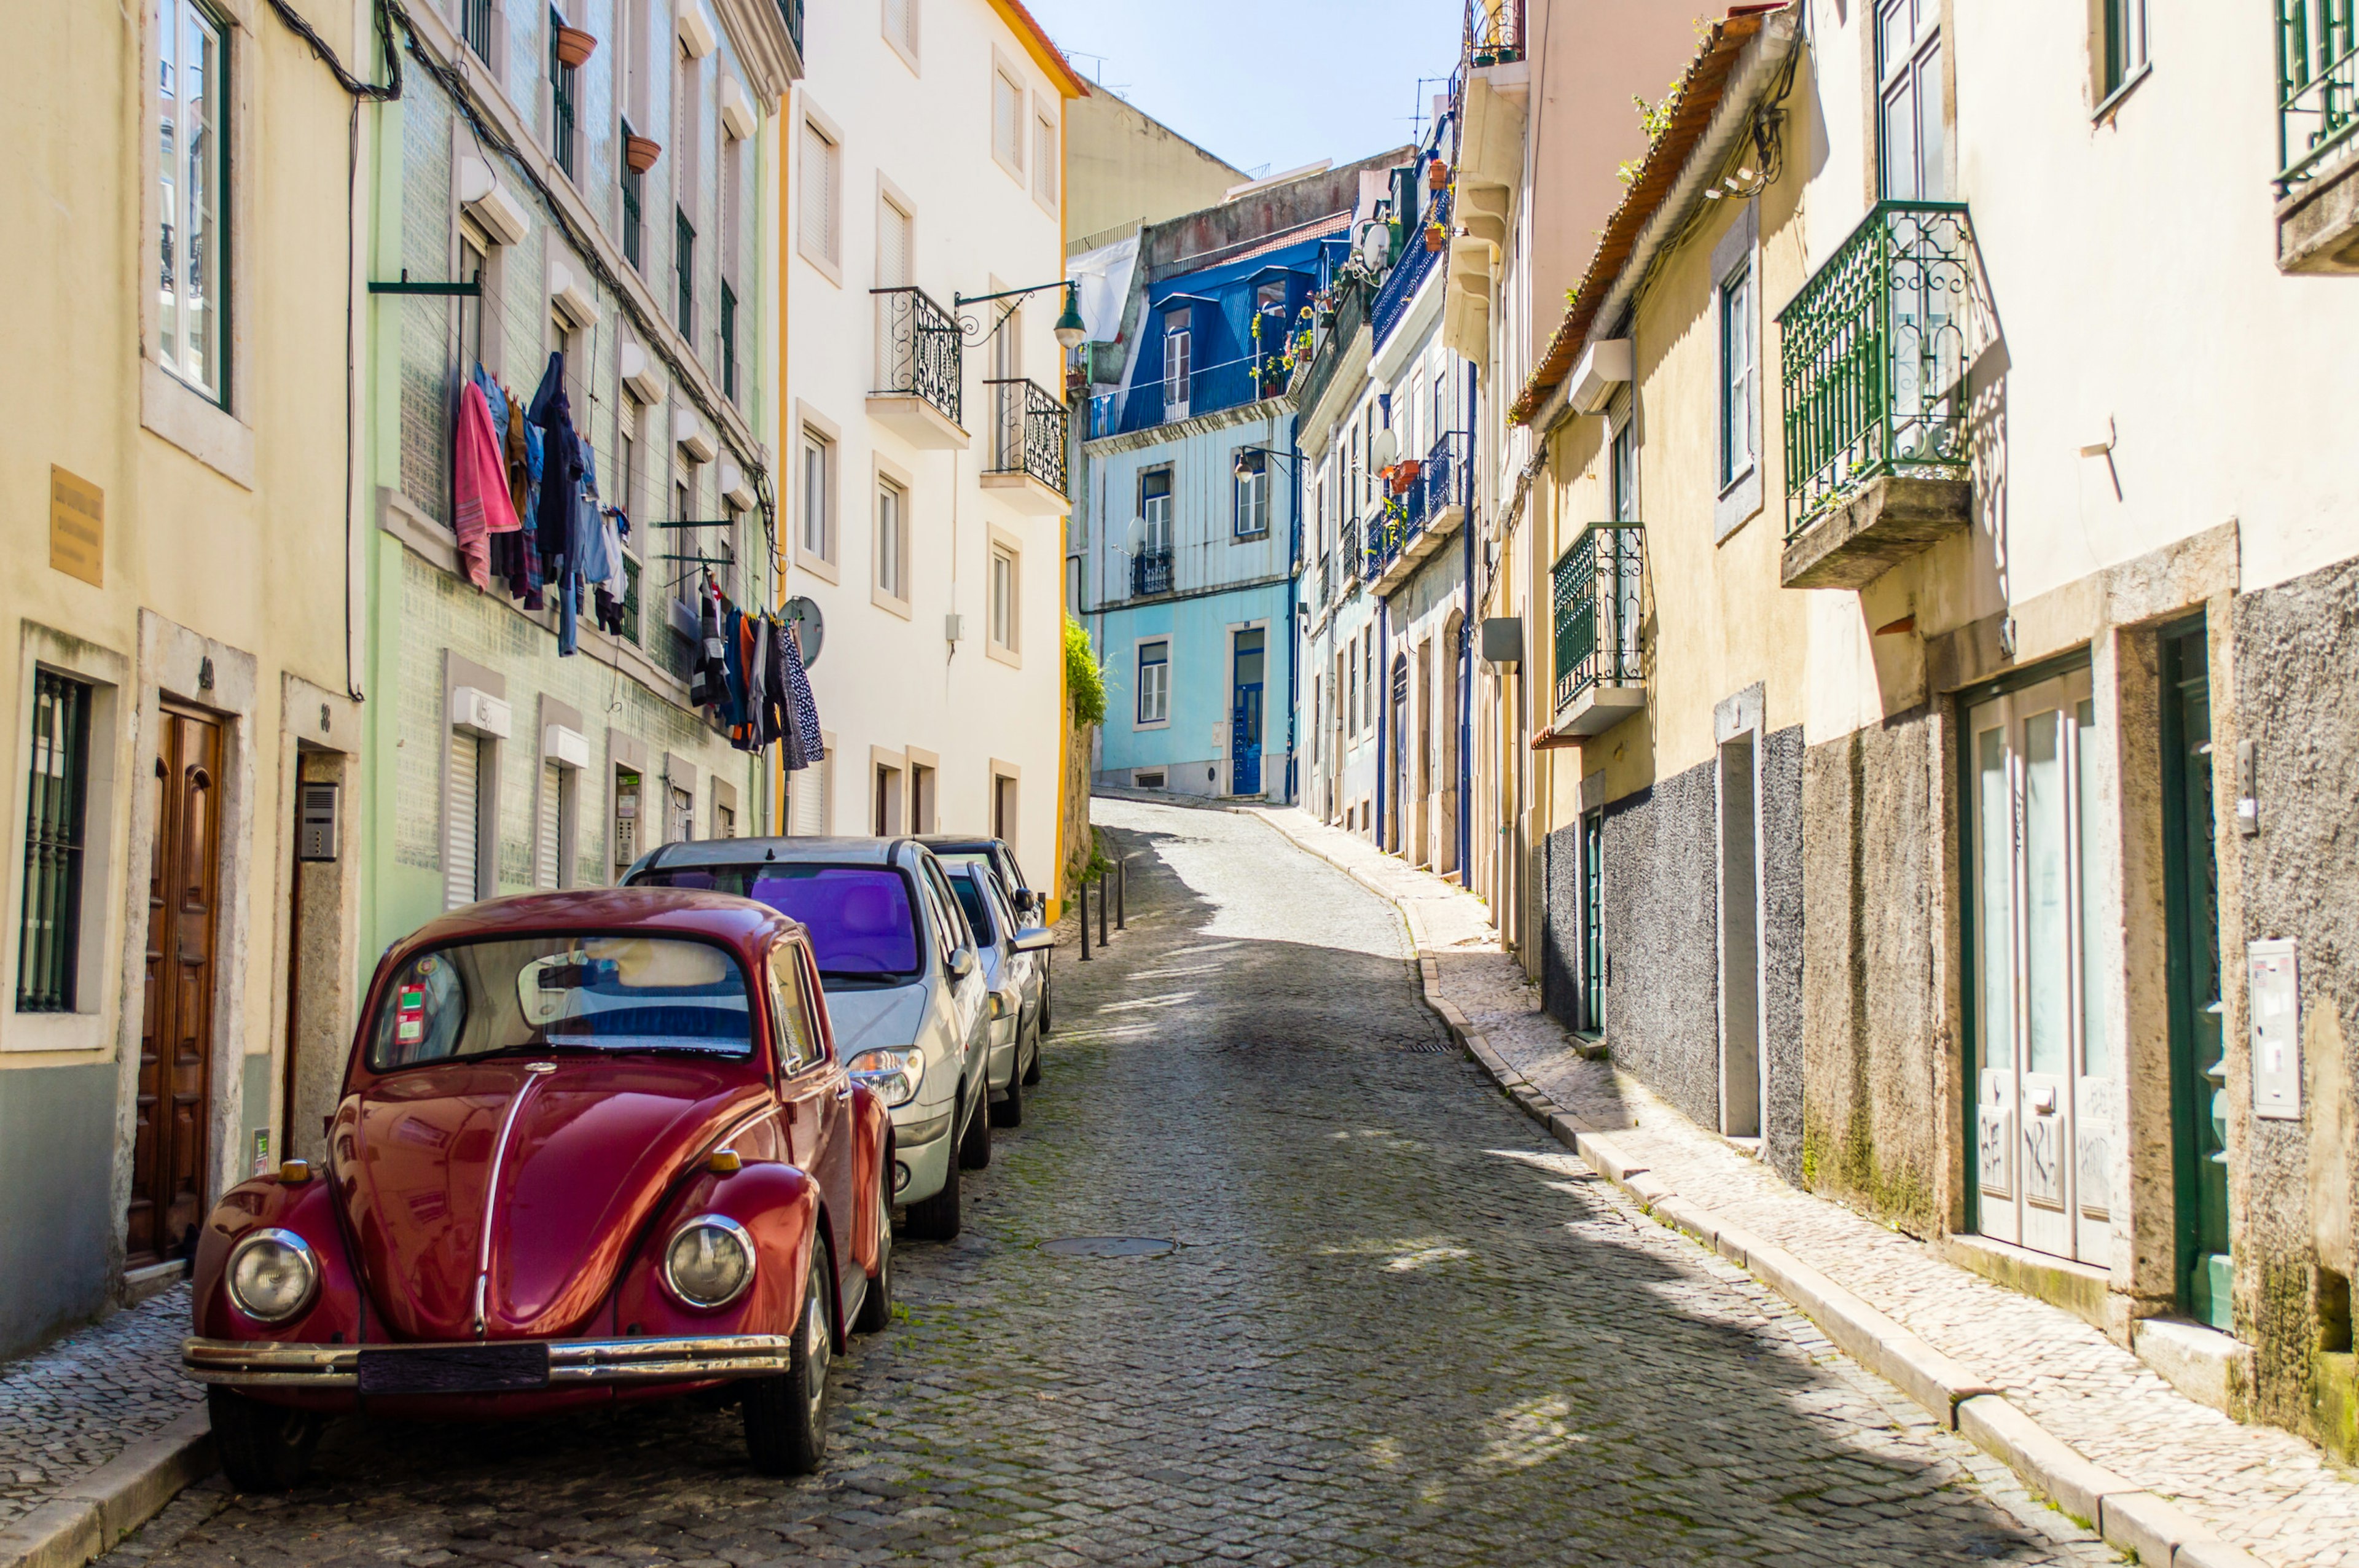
<point x="459" y="845"/>
<point x="812" y="811"/>
<point x="818" y="205"/>
<point x="545" y="847"/>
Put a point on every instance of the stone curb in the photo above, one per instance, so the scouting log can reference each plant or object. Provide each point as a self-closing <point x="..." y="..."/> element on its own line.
<point x="2128" y="1516"/>
<point x="93" y="1514"/>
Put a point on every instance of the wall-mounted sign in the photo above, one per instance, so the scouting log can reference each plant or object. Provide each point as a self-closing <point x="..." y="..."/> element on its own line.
<point x="2274" y="992"/>
<point x="77" y="527"/>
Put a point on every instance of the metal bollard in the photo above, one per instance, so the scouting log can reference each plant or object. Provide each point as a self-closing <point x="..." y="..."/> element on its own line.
<point x="1101" y="909"/>
<point x="1081" y="888"/>
<point x="1122" y="893"/>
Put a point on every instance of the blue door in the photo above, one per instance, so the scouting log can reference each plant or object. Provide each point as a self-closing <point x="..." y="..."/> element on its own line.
<point x="1245" y="716"/>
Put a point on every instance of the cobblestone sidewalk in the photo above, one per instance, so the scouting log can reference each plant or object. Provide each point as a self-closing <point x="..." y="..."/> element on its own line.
<point x="72" y="1406"/>
<point x="2264" y="1489"/>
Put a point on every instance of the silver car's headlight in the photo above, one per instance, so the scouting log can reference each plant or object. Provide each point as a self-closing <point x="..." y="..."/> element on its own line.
<point x="1003" y="1002"/>
<point x="273" y="1275"/>
<point x="893" y="1073"/>
<point x="710" y="1261"/>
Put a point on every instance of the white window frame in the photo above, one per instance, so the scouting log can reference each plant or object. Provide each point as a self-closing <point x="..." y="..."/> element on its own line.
<point x="891" y="590"/>
<point x="1047" y="154"/>
<point x="907" y="46"/>
<point x="819" y="235"/>
<point x="1918" y="71"/>
<point x="812" y="427"/>
<point x="215" y="382"/>
<point x="1161" y="719"/>
<point x="1009" y="92"/>
<point x="1003" y="620"/>
<point x="1179" y="361"/>
<point x="1249" y="510"/>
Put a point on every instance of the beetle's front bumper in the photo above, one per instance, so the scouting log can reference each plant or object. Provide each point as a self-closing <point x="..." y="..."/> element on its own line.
<point x="471" y="1367"/>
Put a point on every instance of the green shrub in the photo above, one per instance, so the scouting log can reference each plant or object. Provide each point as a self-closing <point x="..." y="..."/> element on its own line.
<point x="1084" y="680"/>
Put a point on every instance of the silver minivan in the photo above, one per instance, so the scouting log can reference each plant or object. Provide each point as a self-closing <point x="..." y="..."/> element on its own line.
<point x="907" y="996"/>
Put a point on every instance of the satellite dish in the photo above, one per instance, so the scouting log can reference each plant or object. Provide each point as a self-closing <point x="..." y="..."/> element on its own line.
<point x="1384" y="450"/>
<point x="1134" y="538"/>
<point x="811" y="628"/>
<point x="1376" y="244"/>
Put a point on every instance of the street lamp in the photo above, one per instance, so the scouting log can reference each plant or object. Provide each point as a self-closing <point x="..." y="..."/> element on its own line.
<point x="1068" y="328"/>
<point x="1242" y="468"/>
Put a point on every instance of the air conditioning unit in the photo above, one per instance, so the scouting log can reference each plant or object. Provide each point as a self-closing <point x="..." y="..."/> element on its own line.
<point x="737" y="114"/>
<point x="697" y="38"/>
<point x="639" y="374"/>
<point x="1602" y="367"/>
<point x="564" y="748"/>
<point x="479" y="713"/>
<point x="482" y="198"/>
<point x="570" y="294"/>
<point x="689" y="433"/>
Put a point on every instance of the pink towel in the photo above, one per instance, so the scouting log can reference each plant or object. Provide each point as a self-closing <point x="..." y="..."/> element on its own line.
<point x="481" y="477"/>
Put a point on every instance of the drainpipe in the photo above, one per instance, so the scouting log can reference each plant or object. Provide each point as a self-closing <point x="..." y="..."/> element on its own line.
<point x="1466" y="635"/>
<point x="1293" y="619"/>
<point x="1384" y="710"/>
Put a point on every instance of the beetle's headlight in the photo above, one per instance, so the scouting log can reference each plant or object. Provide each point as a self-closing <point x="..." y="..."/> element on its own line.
<point x="893" y="1075"/>
<point x="710" y="1261"/>
<point x="273" y="1275"/>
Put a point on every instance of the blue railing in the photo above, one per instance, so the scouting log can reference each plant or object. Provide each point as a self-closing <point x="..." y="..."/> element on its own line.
<point x="1408" y="274"/>
<point x="1445" y="480"/>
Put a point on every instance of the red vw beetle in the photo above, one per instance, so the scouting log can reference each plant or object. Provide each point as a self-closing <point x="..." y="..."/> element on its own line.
<point x="592" y="1146"/>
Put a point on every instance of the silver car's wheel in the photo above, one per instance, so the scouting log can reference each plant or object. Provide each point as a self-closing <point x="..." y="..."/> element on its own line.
<point x="876" y="1308"/>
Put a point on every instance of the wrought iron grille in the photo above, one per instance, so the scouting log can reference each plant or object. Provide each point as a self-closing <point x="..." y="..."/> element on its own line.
<point x="683" y="271"/>
<point x="630" y="600"/>
<point x="1349" y="562"/>
<point x="1028" y="431"/>
<point x="560" y="89"/>
<point x="1151" y="572"/>
<point x="634" y="219"/>
<point x="50" y="924"/>
<point x="1494" y="31"/>
<point x="1875" y="349"/>
<point x="1448" y="478"/>
<point x="792" y="10"/>
<point x="728" y="341"/>
<point x="1351" y="313"/>
<point x="2317" y="83"/>
<point x="1407" y="275"/>
<point x="1599" y="581"/>
<point x="1389" y="531"/>
<point x="919" y="350"/>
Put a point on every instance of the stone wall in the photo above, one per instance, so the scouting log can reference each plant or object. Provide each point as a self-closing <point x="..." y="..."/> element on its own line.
<point x="1662" y="983"/>
<point x="1781" y="949"/>
<point x="2296" y="685"/>
<point x="1875" y="1042"/>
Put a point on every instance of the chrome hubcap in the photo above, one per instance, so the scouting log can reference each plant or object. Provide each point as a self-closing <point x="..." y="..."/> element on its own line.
<point x="815" y="1351"/>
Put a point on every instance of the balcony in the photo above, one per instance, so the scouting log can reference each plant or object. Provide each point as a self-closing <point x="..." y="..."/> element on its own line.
<point x="1433" y="500"/>
<point x="1349" y="561"/>
<point x="1151" y="572"/>
<point x="1400" y="287"/>
<point x="1027" y="448"/>
<point x="1876" y="349"/>
<point x="1350" y="314"/>
<point x="2318" y="136"/>
<point x="921" y="370"/>
<point x="1600" y="583"/>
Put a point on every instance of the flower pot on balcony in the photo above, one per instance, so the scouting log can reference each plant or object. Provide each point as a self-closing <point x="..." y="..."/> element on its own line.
<point x="574" y="46"/>
<point x="1484" y="56"/>
<point x="1404" y="474"/>
<point x="1436" y="174"/>
<point x="1436" y="236"/>
<point x="641" y="152"/>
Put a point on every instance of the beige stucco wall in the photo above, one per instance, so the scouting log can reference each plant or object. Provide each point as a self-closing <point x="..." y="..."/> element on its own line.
<point x="1123" y="167"/>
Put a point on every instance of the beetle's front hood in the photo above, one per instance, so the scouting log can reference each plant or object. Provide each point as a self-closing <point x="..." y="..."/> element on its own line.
<point x="564" y="1167"/>
<point x="871" y="1020"/>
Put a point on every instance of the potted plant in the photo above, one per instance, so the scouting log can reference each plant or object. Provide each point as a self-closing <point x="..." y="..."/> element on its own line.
<point x="574" y="45"/>
<point x="1436" y="236"/>
<point x="641" y="152"/>
<point x="1404" y="474"/>
<point x="1437" y="173"/>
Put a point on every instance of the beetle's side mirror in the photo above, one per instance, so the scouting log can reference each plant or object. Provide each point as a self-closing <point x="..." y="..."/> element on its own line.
<point x="962" y="962"/>
<point x="1035" y="938"/>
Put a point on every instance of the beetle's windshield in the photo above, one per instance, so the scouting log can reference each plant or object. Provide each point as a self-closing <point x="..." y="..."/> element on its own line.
<point x="542" y="995"/>
<point x="862" y="927"/>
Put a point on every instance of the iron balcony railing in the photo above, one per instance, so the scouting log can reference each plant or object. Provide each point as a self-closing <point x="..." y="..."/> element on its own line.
<point x="792" y="11"/>
<point x="1494" y="32"/>
<point x="1383" y="531"/>
<point x="1350" y="314"/>
<point x="1408" y="274"/>
<point x="1349" y="562"/>
<point x="1445" y="479"/>
<point x="1875" y="349"/>
<point x="1314" y="588"/>
<point x="561" y="92"/>
<point x="1599" y="580"/>
<point x="1150" y="571"/>
<point x="919" y="350"/>
<point x="2317" y="83"/>
<point x="1028" y="431"/>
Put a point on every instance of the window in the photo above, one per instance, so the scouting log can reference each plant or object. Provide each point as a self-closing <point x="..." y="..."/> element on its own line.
<point x="50" y="925"/>
<point x="892" y="505"/>
<point x="1175" y="363"/>
<point x="819" y="496"/>
<point x="683" y="264"/>
<point x="1004" y="604"/>
<point x="1624" y="473"/>
<point x="822" y="198"/>
<point x="1739" y="366"/>
<point x="192" y="125"/>
<point x="729" y="341"/>
<point x="1045" y="161"/>
<point x="897" y="241"/>
<point x="635" y="191"/>
<point x="2124" y="55"/>
<point x="1909" y="71"/>
<point x="797" y="1041"/>
<point x="1003" y="808"/>
<point x="1352" y="702"/>
<point x="1155" y="509"/>
<point x="686" y="541"/>
<point x="560" y="100"/>
<point x="549" y="828"/>
<point x="1155" y="683"/>
<point x="626" y="456"/>
<point x="1253" y="495"/>
<point x="475" y="26"/>
<point x="1007" y="122"/>
<point x="901" y="28"/>
<point x="468" y="827"/>
<point x="724" y="820"/>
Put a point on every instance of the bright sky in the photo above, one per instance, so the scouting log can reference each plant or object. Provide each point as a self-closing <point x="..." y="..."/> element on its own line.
<point x="1282" y="83"/>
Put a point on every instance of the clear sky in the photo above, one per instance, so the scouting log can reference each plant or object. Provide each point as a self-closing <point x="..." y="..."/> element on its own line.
<point x="1282" y="83"/>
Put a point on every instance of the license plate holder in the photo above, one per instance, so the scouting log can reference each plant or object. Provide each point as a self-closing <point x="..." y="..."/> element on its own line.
<point x="454" y="1369"/>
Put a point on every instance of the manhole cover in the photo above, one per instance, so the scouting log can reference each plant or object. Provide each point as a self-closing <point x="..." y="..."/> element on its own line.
<point x="1109" y="1247"/>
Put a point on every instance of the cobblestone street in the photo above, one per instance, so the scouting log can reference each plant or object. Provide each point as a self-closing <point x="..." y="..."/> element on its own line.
<point x="1401" y="1325"/>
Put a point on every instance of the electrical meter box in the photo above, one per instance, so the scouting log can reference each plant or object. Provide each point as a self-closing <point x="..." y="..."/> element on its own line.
<point x="2274" y="995"/>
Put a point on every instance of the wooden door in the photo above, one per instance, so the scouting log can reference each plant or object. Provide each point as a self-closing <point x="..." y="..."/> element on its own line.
<point x="168" y="1159"/>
